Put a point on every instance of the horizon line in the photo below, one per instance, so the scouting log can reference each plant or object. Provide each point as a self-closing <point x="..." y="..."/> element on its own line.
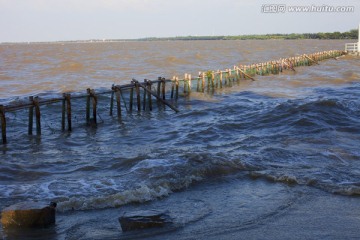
<point x="179" y="38"/>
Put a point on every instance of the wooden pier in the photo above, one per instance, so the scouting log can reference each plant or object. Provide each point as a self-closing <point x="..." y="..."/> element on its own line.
<point x="164" y="91"/>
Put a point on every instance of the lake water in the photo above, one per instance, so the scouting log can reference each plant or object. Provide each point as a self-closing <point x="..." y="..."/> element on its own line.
<point x="235" y="160"/>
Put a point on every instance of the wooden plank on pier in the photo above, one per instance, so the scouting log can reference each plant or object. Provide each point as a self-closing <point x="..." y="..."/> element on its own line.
<point x="245" y="74"/>
<point x="155" y="95"/>
<point x="291" y="67"/>
<point x="311" y="59"/>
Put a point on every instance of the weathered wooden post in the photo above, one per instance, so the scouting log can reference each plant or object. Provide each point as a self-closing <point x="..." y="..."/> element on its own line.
<point x="198" y="82"/>
<point x="131" y="100"/>
<point x="212" y="80"/>
<point x="91" y="97"/>
<point x="94" y="102"/>
<point x="172" y="87"/>
<point x="68" y="109"/>
<point x="144" y="96"/>
<point x="155" y="95"/>
<point x="203" y="82"/>
<point x="138" y="98"/>
<point x="149" y="83"/>
<point x="220" y="78"/>
<point x="158" y="86"/>
<point x="163" y="88"/>
<point x="118" y="103"/>
<point x="63" y="112"/>
<point x="3" y="124"/>
<point x="229" y="77"/>
<point x="37" y="116"/>
<point x="225" y="77"/>
<point x="236" y="73"/>
<point x="88" y="106"/>
<point x="189" y="83"/>
<point x="177" y="88"/>
<point x="185" y="82"/>
<point x="31" y="115"/>
<point x="216" y="79"/>
<point x="208" y="76"/>
<point x="112" y="99"/>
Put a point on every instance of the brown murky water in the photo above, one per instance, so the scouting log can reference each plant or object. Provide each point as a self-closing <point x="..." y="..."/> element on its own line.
<point x="31" y="69"/>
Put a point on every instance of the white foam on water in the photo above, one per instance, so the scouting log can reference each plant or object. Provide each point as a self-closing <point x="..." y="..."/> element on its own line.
<point x="141" y="194"/>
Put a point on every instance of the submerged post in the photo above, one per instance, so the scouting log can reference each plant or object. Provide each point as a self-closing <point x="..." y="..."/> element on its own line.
<point x="163" y="82"/>
<point x="189" y="83"/>
<point x="149" y="83"/>
<point x="37" y="115"/>
<point x="3" y="124"/>
<point x="138" y="97"/>
<point x="198" y="82"/>
<point x="94" y="102"/>
<point x="220" y="78"/>
<point x="91" y="97"/>
<point x="176" y="88"/>
<point x="203" y="82"/>
<point x="131" y="100"/>
<point x="158" y="86"/>
<point x="68" y="110"/>
<point x="186" y="83"/>
<point x="31" y="115"/>
<point x="112" y="99"/>
<point x="63" y="112"/>
<point x="118" y="103"/>
<point x="88" y="106"/>
<point x="144" y="96"/>
<point x="172" y="87"/>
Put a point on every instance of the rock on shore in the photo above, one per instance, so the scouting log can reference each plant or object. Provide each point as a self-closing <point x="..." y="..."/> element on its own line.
<point x="28" y="215"/>
<point x="144" y="219"/>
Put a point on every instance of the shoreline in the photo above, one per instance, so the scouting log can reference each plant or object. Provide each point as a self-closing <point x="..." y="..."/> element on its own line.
<point x="161" y="40"/>
<point x="223" y="208"/>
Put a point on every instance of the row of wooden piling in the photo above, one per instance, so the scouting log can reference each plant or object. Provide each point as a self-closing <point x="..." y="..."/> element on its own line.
<point x="33" y="104"/>
<point x="205" y="81"/>
<point x="217" y="79"/>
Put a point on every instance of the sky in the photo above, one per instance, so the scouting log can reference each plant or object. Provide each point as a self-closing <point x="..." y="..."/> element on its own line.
<point x="61" y="20"/>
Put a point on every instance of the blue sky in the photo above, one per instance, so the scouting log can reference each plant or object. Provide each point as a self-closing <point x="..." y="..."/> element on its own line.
<point x="52" y="20"/>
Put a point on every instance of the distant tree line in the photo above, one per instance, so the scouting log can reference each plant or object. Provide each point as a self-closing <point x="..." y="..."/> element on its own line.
<point x="352" y="34"/>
